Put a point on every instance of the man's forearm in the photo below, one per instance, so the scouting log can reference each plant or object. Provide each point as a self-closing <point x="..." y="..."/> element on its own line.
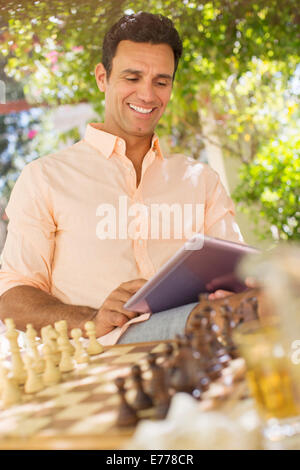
<point x="26" y="304"/>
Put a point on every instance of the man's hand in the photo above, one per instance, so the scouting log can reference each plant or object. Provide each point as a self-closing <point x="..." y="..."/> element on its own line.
<point x="112" y="313"/>
<point x="219" y="294"/>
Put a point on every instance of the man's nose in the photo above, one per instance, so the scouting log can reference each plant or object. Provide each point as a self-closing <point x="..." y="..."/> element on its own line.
<point x="145" y="92"/>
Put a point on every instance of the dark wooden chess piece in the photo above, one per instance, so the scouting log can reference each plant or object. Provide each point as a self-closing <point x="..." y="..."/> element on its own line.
<point x="159" y="388"/>
<point x="182" y="377"/>
<point x="126" y="415"/>
<point x="228" y="326"/>
<point x="202" y="344"/>
<point x="250" y="309"/>
<point x="168" y="353"/>
<point x="217" y="347"/>
<point x="142" y="400"/>
<point x="188" y="373"/>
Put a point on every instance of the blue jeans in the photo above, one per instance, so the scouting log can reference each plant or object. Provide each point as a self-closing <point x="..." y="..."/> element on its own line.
<point x="160" y="326"/>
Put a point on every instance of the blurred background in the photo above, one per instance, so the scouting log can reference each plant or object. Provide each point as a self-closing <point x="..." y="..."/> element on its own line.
<point x="235" y="103"/>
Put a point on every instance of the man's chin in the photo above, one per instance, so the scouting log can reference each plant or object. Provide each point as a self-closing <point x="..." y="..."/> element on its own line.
<point x="140" y="131"/>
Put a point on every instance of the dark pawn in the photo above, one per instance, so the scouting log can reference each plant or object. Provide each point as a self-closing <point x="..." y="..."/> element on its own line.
<point x="159" y="388"/>
<point x="141" y="401"/>
<point x="249" y="309"/>
<point x="228" y="326"/>
<point x="182" y="378"/>
<point x="126" y="416"/>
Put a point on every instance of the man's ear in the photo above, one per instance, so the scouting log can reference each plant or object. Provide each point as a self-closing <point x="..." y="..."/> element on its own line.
<point x="100" y="75"/>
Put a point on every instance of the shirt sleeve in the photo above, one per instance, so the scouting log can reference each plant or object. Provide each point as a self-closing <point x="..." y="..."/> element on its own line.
<point x="219" y="211"/>
<point x="29" y="246"/>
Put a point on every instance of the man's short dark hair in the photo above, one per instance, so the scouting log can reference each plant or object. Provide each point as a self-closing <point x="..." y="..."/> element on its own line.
<point x="141" y="27"/>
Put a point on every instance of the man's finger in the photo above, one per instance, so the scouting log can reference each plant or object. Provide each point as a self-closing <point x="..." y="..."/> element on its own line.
<point x="251" y="282"/>
<point x="134" y="285"/>
<point x="219" y="294"/>
<point x="119" y="307"/>
<point x="121" y="295"/>
<point x="114" y="318"/>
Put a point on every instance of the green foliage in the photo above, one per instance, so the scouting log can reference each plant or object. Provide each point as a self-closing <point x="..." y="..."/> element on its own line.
<point x="58" y="43"/>
<point x="270" y="188"/>
<point x="239" y="59"/>
<point x="256" y="107"/>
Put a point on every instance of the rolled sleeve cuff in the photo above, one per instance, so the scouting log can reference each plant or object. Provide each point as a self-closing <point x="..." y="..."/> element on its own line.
<point x="9" y="280"/>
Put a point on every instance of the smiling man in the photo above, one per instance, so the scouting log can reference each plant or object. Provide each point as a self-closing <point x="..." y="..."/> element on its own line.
<point x="56" y="263"/>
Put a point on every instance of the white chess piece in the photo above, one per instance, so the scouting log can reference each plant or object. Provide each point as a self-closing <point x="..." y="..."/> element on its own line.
<point x="49" y="336"/>
<point x="11" y="394"/>
<point x="51" y="375"/>
<point x="93" y="347"/>
<point x="34" y="382"/>
<point x="80" y="354"/>
<point x="66" y="362"/>
<point x="18" y="370"/>
<point x="31" y="336"/>
<point x="62" y="329"/>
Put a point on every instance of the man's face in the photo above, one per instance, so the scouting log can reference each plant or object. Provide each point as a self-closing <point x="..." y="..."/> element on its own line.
<point x="138" y="89"/>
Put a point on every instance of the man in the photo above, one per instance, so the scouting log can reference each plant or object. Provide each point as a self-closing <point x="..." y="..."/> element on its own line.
<point x="60" y="260"/>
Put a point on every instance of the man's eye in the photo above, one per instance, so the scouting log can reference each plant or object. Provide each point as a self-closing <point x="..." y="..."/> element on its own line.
<point x="161" y="83"/>
<point x="132" y="79"/>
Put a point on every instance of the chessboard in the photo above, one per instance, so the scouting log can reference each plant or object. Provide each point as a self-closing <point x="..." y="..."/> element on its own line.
<point x="98" y="402"/>
<point x="81" y="411"/>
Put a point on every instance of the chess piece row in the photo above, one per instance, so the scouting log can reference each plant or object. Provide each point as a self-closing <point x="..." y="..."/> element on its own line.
<point x="43" y="363"/>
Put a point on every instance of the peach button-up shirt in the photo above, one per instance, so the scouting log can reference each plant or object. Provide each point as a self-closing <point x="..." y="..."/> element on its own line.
<point x="73" y="219"/>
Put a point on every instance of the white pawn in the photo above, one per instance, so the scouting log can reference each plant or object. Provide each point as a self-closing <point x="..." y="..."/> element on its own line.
<point x="18" y="370"/>
<point x="49" y="337"/>
<point x="80" y="355"/>
<point x="93" y="347"/>
<point x="66" y="363"/>
<point x="62" y="329"/>
<point x="11" y="394"/>
<point x="31" y="336"/>
<point x="51" y="375"/>
<point x="34" y="382"/>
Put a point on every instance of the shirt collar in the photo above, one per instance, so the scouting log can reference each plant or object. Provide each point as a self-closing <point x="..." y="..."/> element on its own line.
<point x="108" y="144"/>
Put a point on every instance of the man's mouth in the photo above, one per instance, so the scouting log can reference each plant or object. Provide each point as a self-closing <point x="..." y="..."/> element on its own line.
<point x="141" y="110"/>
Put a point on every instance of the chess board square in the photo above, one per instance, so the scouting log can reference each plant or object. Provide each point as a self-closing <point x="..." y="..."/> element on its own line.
<point x="100" y="398"/>
<point x="113" y="373"/>
<point x="48" y="411"/>
<point x="103" y="360"/>
<point x="8" y="424"/>
<point x="79" y="411"/>
<point x="53" y="390"/>
<point x="85" y="387"/>
<point x="130" y="358"/>
<point x="95" y="424"/>
<point x="82" y="380"/>
<point x="69" y="399"/>
<point x="57" y="427"/>
<point x="106" y="387"/>
<point x="30" y="426"/>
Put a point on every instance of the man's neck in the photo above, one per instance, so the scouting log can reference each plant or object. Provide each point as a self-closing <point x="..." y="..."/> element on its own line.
<point x="136" y="147"/>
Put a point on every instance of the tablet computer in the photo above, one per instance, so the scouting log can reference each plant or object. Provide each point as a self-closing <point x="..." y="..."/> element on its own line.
<point x="203" y="264"/>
